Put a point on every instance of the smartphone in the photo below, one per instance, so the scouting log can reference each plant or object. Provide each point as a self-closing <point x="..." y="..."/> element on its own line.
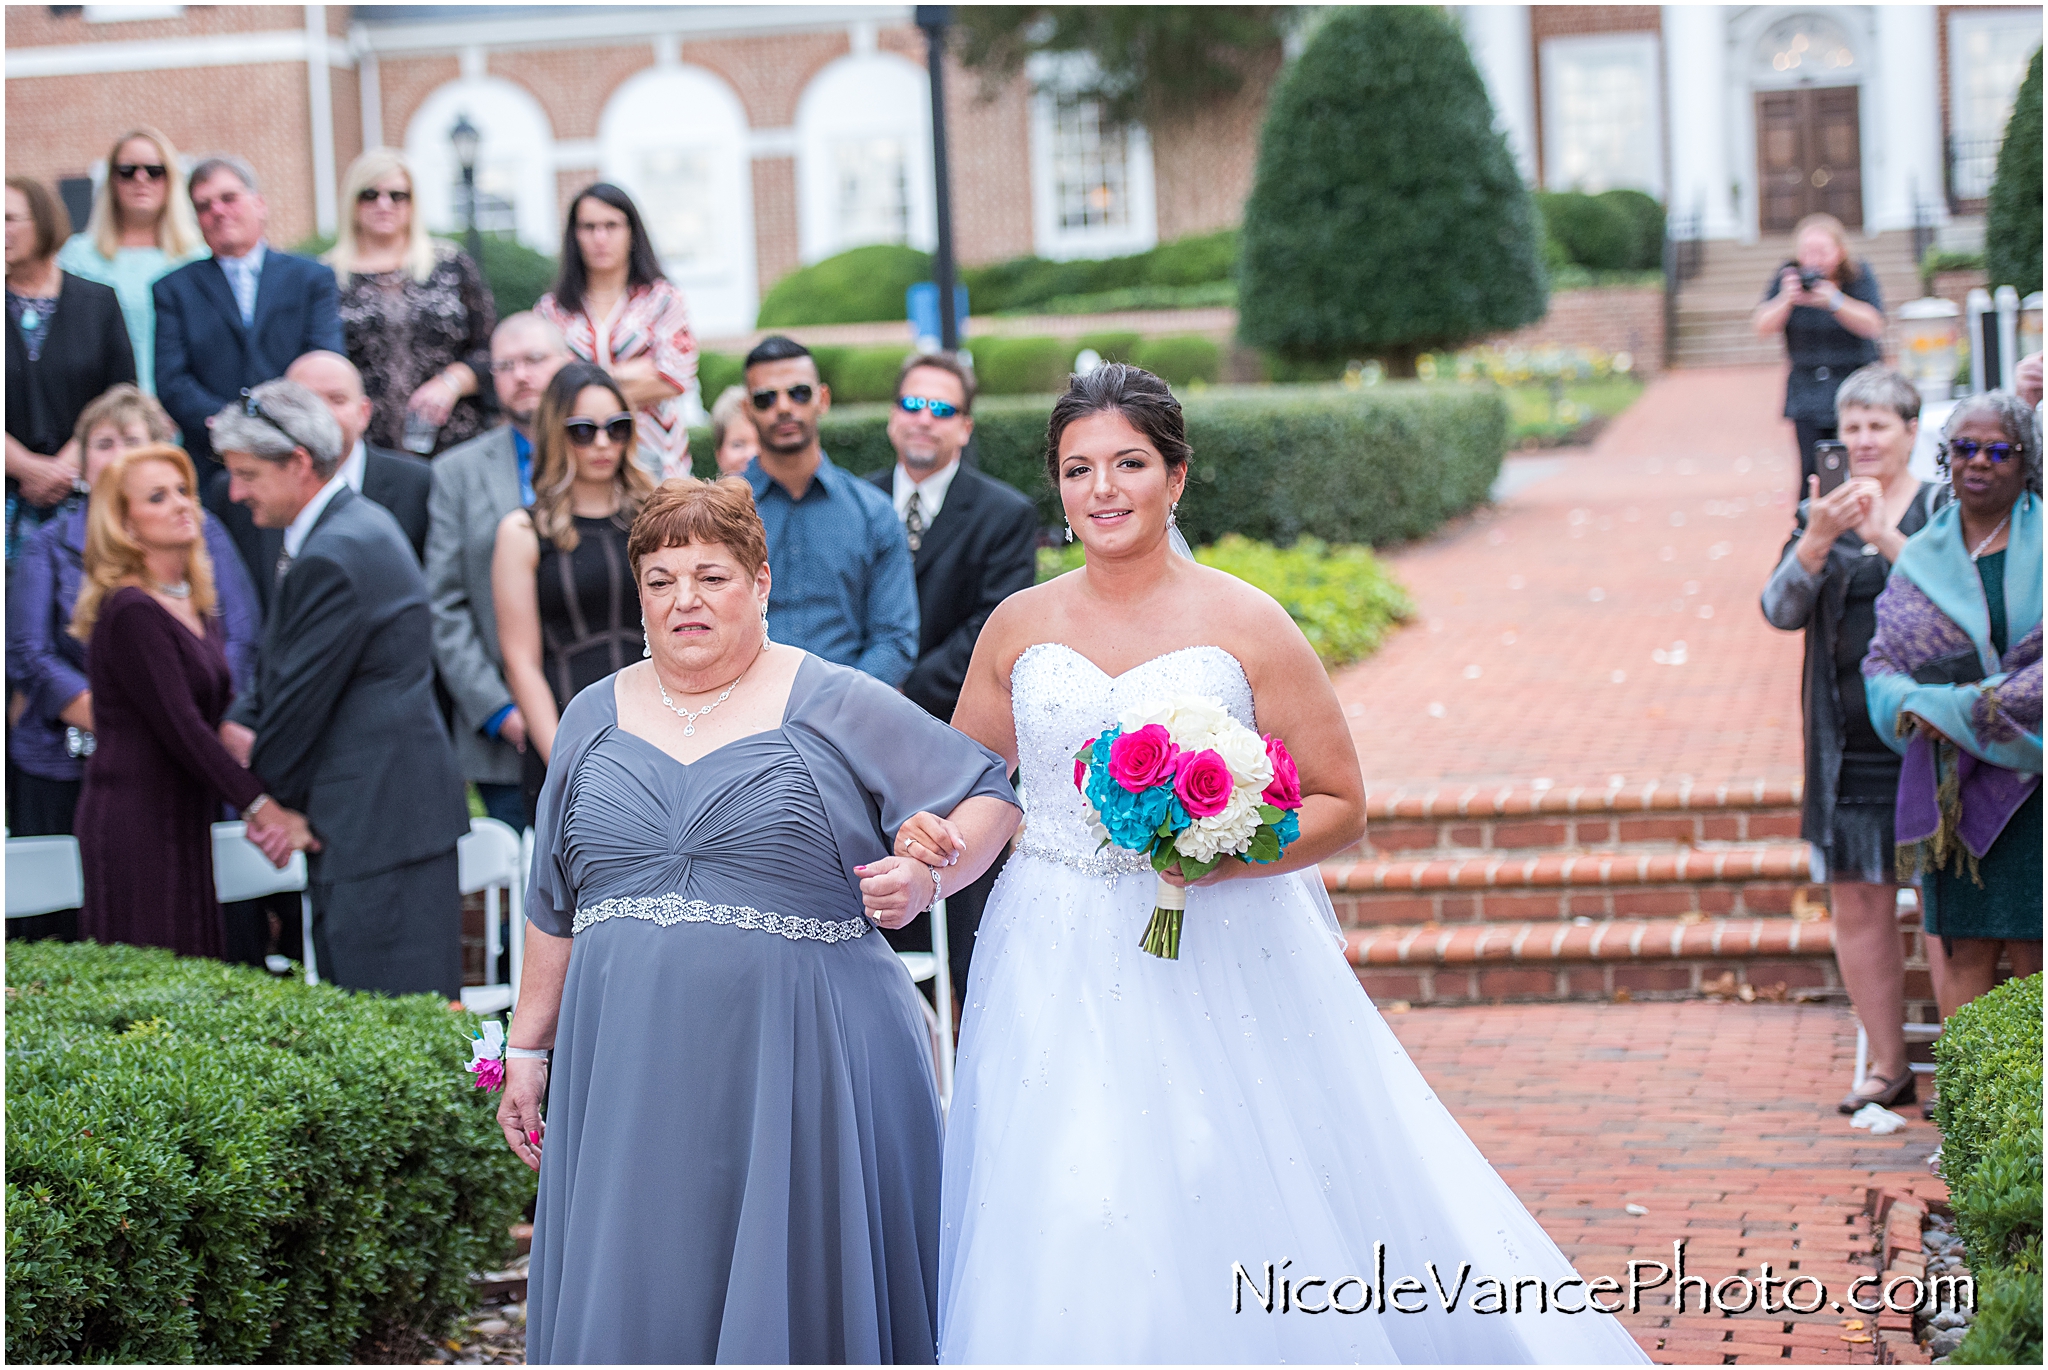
<point x="1831" y="461"/>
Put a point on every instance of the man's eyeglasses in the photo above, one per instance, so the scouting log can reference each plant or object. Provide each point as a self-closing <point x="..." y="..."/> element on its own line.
<point x="253" y="409"/>
<point x="938" y="409"/>
<point x="583" y="432"/>
<point x="505" y="366"/>
<point x="128" y="171"/>
<point x="764" y="400"/>
<point x="369" y="195"/>
<point x="1965" y="449"/>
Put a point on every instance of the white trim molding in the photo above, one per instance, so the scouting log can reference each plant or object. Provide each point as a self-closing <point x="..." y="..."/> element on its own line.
<point x="164" y="54"/>
<point x="626" y="24"/>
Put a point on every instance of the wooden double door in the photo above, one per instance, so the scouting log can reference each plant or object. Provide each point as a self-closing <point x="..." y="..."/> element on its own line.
<point x="1809" y="156"/>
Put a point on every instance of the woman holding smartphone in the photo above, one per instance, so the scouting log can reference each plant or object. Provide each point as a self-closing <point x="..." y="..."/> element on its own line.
<point x="1827" y="583"/>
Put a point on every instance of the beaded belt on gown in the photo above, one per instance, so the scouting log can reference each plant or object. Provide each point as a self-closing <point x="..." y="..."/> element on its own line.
<point x="1109" y="863"/>
<point x="666" y="910"/>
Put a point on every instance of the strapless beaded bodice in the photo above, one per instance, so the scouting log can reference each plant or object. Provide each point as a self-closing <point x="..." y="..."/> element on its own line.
<point x="1059" y="699"/>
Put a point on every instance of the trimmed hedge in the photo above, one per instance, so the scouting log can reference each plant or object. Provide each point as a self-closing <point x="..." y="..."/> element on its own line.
<point x="1181" y="360"/>
<point x="863" y="285"/>
<point x="1988" y="1106"/>
<point x="2012" y="218"/>
<point x="1376" y="465"/>
<point x="205" y="1163"/>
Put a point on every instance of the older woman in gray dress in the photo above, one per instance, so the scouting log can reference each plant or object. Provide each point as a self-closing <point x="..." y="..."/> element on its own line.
<point x="740" y="1160"/>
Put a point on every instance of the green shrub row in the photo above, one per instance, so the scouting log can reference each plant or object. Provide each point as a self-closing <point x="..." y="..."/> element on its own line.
<point x="205" y="1163"/>
<point x="1616" y="230"/>
<point x="1342" y="598"/>
<point x="1374" y="465"/>
<point x="1988" y="1106"/>
<point x="1002" y="366"/>
<point x="867" y="284"/>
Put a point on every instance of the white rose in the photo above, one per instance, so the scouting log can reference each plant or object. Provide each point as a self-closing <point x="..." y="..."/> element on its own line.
<point x="1245" y="753"/>
<point x="1224" y="834"/>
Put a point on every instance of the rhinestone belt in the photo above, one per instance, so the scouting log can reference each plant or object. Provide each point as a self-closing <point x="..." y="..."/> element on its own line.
<point x="1109" y="863"/>
<point x="669" y="909"/>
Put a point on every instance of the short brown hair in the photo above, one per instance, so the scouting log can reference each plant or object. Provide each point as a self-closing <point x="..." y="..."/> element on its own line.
<point x="122" y="405"/>
<point x="681" y="512"/>
<point x="53" y="222"/>
<point x="947" y="362"/>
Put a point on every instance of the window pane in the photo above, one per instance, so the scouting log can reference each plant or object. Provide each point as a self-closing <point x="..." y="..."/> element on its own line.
<point x="1605" y="105"/>
<point x="1089" y="174"/>
<point x="679" y="202"/>
<point x="872" y="191"/>
<point x="1988" y="58"/>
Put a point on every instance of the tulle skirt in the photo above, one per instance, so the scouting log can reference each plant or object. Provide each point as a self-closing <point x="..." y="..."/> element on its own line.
<point x="1131" y="1141"/>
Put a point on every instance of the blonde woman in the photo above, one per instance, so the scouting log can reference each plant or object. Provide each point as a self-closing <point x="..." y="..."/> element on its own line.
<point x="157" y="669"/>
<point x="141" y="227"/>
<point x="415" y="312"/>
<point x="1828" y="307"/>
<point x="568" y="612"/>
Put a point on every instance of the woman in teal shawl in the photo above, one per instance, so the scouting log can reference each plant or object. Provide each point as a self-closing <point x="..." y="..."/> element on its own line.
<point x="1954" y="683"/>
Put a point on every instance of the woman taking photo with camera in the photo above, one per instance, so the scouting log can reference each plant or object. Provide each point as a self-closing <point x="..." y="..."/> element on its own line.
<point x="1828" y="307"/>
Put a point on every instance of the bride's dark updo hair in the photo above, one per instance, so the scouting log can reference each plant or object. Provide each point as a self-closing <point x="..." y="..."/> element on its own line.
<point x="1141" y="398"/>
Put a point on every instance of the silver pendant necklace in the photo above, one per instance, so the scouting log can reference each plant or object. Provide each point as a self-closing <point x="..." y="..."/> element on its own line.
<point x="1990" y="535"/>
<point x="181" y="590"/>
<point x="689" y="718"/>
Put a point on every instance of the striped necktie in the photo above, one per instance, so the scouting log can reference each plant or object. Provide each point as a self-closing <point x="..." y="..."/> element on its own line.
<point x="913" y="522"/>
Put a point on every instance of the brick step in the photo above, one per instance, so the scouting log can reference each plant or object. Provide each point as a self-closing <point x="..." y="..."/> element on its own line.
<point x="1613" y="958"/>
<point x="1416" y="822"/>
<point x="1494" y="887"/>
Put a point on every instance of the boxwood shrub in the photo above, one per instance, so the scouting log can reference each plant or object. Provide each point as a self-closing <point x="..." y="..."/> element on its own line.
<point x="1373" y="465"/>
<point x="208" y="1164"/>
<point x="1181" y="359"/>
<point x="1988" y="1082"/>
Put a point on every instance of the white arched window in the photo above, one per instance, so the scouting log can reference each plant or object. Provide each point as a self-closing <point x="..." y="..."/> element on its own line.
<point x="675" y="138"/>
<point x="864" y="159"/>
<point x="515" y="163"/>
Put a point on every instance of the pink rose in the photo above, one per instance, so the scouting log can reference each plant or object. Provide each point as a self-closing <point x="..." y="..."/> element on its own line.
<point x="1203" y="784"/>
<point x="1140" y="760"/>
<point x="489" y="1074"/>
<point x="1081" y="767"/>
<point x="1285" y="791"/>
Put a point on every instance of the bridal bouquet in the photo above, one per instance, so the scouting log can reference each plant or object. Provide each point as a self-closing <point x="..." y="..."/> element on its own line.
<point x="1182" y="781"/>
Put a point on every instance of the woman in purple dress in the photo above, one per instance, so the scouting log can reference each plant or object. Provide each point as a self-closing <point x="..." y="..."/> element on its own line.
<point x="157" y="667"/>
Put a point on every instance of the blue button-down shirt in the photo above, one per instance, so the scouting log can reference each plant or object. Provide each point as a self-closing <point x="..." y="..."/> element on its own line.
<point x="243" y="275"/>
<point x="843" y="584"/>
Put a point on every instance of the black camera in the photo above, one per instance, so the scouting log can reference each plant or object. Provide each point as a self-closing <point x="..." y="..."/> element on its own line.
<point x="1809" y="278"/>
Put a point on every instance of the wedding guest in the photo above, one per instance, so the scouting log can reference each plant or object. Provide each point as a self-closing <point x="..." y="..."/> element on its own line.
<point x="974" y="543"/>
<point x="342" y="719"/>
<point x="235" y="318"/>
<point x="845" y="589"/>
<point x="1954" y="681"/>
<point x="475" y="486"/>
<point x="1827" y="583"/>
<point x="159" y="683"/>
<point x="1831" y="314"/>
<point x="416" y="312"/>
<point x="615" y="308"/>
<point x="733" y="440"/>
<point x="567" y="614"/>
<point x="398" y="481"/>
<point x="712" y="853"/>
<point x="66" y="345"/>
<point x="141" y="227"/>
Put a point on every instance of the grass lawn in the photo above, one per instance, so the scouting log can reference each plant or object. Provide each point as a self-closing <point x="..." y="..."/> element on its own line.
<point x="1582" y="408"/>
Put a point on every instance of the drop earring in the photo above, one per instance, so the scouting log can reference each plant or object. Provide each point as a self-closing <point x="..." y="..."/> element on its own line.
<point x="1070" y="530"/>
<point x="646" y="647"/>
<point x="1173" y="515"/>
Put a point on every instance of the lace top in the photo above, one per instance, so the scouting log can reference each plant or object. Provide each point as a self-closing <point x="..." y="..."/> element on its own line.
<point x="1059" y="699"/>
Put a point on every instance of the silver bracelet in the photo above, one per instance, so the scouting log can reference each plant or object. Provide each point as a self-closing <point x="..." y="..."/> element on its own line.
<point x="529" y="1053"/>
<point x="938" y="892"/>
<point x="255" y="807"/>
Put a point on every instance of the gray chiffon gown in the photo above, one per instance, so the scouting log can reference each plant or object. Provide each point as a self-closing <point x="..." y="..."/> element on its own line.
<point x="743" y="1132"/>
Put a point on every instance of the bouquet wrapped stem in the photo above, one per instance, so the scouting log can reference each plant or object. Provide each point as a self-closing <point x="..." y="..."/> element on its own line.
<point x="1162" y="934"/>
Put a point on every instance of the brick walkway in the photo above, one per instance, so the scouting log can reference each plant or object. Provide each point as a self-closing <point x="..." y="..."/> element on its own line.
<point x="1717" y="1118"/>
<point x="1602" y="618"/>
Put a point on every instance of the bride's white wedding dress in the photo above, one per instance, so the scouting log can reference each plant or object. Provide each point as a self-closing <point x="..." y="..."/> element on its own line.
<point x="1126" y="1130"/>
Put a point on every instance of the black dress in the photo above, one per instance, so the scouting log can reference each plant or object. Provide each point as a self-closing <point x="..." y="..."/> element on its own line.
<point x="589" y="620"/>
<point x="1823" y="353"/>
<point x="74" y="351"/>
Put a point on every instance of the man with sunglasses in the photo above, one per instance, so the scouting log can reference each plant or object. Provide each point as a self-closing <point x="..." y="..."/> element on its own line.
<point x="843" y="584"/>
<point x="973" y="543"/>
<point x="238" y="317"/>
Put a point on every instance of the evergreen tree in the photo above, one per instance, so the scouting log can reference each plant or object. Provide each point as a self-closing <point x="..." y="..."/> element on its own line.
<point x="2012" y="226"/>
<point x="1387" y="218"/>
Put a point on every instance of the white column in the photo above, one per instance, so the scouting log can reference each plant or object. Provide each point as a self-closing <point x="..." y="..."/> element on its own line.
<point x="320" y="92"/>
<point x="1695" y="91"/>
<point x="1498" y="36"/>
<point x="369" y="86"/>
<point x="1909" y="161"/>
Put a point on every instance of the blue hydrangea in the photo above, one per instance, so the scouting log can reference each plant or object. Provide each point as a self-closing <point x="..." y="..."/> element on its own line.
<point x="1289" y="828"/>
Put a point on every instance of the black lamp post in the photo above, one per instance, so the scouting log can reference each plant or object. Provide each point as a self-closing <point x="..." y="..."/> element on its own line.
<point x="934" y="20"/>
<point x="465" y="138"/>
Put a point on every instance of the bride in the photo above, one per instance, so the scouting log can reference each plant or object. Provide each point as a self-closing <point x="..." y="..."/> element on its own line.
<point x="1132" y="1140"/>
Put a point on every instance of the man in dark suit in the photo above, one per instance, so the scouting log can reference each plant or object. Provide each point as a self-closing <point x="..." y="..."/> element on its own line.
<point x="341" y="721"/>
<point x="238" y="317"/>
<point x="973" y="542"/>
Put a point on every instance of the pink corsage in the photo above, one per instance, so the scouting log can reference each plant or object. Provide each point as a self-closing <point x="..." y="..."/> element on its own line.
<point x="487" y="1056"/>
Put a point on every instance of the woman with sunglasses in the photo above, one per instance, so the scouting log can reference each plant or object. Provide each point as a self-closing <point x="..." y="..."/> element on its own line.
<point x="616" y="309"/>
<point x="416" y="313"/>
<point x="1954" y="682"/>
<point x="561" y="582"/>
<point x="141" y="227"/>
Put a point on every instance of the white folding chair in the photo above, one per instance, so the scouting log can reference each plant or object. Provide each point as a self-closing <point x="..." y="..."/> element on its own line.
<point x="487" y="860"/>
<point x="937" y="965"/>
<point x="43" y="876"/>
<point x="241" y="871"/>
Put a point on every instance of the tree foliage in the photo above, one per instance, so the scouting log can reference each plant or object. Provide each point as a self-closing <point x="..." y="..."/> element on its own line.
<point x="1147" y="59"/>
<point x="1387" y="218"/>
<point x="2012" y="228"/>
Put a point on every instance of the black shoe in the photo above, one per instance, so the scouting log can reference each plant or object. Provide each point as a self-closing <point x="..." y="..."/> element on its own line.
<point x="1903" y="1090"/>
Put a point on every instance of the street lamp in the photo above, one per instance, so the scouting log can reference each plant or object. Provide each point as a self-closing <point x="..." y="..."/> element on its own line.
<point x="465" y="139"/>
<point x="934" y="19"/>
